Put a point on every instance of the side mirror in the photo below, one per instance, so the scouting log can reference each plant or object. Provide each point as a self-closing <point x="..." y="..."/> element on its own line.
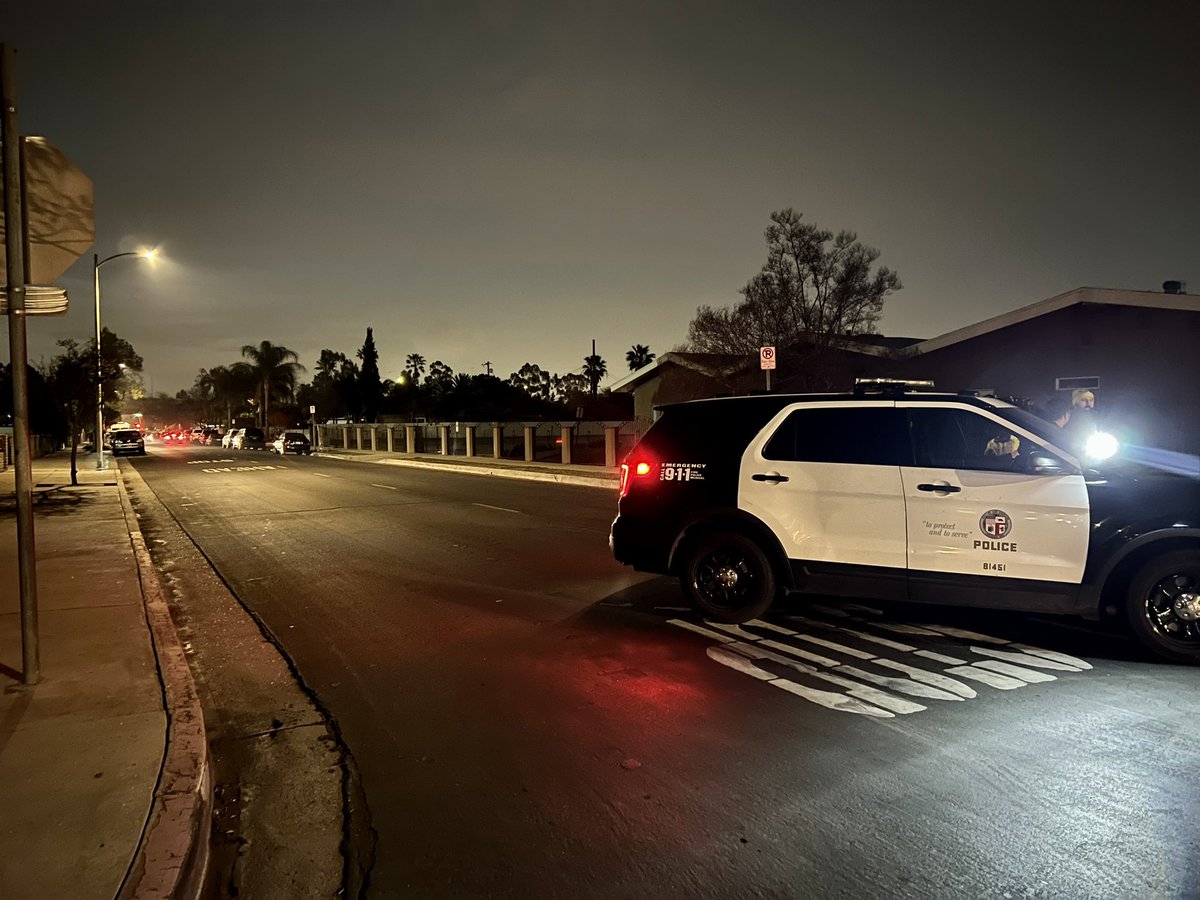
<point x="1040" y="464"/>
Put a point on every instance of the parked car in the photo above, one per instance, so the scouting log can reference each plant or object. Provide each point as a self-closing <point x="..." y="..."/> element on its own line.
<point x="895" y="493"/>
<point x="127" y="441"/>
<point x="230" y="436"/>
<point x="250" y="439"/>
<point x="292" y="442"/>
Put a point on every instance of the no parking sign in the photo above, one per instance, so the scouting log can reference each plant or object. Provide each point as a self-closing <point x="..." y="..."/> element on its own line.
<point x="766" y="357"/>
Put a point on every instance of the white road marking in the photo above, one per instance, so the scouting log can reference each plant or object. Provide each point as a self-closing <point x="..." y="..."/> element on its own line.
<point x="964" y="635"/>
<point x="318" y="474"/>
<point x="938" y="657"/>
<point x="900" y="706"/>
<point x="803" y="654"/>
<point x="1025" y="659"/>
<point x="1055" y="655"/>
<point x="499" y="508"/>
<point x="828" y="699"/>
<point x="1006" y="666"/>
<point x="916" y="673"/>
<point x="1029" y="676"/>
<point x="386" y="487"/>
<point x="991" y="679"/>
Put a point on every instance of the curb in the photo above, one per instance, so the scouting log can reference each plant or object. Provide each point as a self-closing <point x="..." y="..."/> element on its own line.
<point x="603" y="479"/>
<point x="172" y="856"/>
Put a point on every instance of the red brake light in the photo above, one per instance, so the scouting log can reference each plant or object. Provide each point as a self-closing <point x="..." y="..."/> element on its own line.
<point x="631" y="470"/>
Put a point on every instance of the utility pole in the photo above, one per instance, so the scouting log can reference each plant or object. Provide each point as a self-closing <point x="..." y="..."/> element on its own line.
<point x="15" y="241"/>
<point x="488" y="366"/>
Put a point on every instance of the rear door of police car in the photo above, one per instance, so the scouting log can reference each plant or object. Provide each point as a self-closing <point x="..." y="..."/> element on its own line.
<point x="825" y="477"/>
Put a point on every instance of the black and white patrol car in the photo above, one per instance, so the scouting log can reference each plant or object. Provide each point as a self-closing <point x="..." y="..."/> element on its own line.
<point x="894" y="493"/>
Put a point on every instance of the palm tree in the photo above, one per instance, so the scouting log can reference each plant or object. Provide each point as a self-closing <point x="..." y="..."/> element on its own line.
<point x="639" y="357"/>
<point x="415" y="366"/>
<point x="594" y="368"/>
<point x="275" y="369"/>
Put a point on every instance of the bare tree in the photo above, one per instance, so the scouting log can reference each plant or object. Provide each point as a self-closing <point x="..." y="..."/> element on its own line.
<point x="813" y="289"/>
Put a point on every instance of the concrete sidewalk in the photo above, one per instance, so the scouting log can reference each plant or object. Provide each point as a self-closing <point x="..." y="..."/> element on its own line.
<point x="103" y="768"/>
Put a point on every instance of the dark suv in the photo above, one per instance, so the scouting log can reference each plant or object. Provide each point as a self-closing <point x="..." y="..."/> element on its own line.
<point x="127" y="441"/>
<point x="893" y="493"/>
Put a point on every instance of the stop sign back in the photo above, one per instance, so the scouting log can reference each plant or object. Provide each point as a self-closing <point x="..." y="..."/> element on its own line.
<point x="58" y="210"/>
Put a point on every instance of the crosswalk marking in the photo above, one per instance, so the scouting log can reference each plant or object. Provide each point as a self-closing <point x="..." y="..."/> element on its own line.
<point x="879" y="682"/>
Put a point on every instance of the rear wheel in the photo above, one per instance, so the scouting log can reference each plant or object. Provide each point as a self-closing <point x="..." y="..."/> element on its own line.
<point x="1163" y="606"/>
<point x="728" y="578"/>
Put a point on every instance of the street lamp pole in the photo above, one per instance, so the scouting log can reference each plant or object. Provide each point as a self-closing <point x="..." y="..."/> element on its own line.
<point x="97" y="262"/>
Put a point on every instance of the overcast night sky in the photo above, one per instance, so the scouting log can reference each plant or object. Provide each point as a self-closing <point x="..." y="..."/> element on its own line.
<point x="505" y="181"/>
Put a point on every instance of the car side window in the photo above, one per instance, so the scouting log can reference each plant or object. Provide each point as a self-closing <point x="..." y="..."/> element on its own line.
<point x="866" y="435"/>
<point x="961" y="439"/>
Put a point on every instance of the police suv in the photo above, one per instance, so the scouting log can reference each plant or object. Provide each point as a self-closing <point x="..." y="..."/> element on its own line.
<point x="892" y="492"/>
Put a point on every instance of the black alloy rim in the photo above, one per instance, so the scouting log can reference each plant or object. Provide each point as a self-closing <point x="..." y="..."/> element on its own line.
<point x="714" y="573"/>
<point x="1161" y="612"/>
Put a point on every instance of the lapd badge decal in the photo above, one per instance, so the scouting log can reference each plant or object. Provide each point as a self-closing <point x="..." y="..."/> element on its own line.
<point x="995" y="523"/>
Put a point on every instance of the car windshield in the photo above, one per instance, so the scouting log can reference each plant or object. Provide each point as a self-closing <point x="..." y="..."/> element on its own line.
<point x="126" y="435"/>
<point x="253" y="432"/>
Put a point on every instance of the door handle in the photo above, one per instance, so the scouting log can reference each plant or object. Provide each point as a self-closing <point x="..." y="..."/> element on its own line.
<point x="940" y="488"/>
<point x="773" y="477"/>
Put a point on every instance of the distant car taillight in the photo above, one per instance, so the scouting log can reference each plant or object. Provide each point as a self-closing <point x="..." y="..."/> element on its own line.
<point x="633" y="470"/>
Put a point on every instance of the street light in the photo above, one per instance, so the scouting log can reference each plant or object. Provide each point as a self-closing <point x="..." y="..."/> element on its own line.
<point x="97" y="262"/>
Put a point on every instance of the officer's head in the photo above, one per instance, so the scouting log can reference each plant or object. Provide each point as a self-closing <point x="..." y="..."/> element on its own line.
<point x="1058" y="410"/>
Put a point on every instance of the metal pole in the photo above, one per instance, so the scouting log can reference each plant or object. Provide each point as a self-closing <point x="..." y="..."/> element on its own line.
<point x="14" y="236"/>
<point x="99" y="367"/>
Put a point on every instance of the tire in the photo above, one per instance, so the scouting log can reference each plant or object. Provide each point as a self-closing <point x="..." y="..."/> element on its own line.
<point x="728" y="578"/>
<point x="1163" y="606"/>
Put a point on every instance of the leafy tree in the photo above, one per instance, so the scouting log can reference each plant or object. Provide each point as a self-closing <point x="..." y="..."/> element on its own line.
<point x="533" y="380"/>
<point x="370" y="389"/>
<point x="232" y="387"/>
<point x="638" y="357"/>
<point x="275" y="369"/>
<point x="116" y="355"/>
<point x="328" y="365"/>
<point x="347" y="397"/>
<point x="571" y="387"/>
<point x="414" y="365"/>
<point x="440" y="378"/>
<point x="813" y="289"/>
<point x="594" y="368"/>
<point x="72" y="381"/>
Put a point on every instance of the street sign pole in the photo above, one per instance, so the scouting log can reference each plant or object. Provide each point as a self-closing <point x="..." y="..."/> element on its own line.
<point x="14" y="237"/>
<point x="766" y="360"/>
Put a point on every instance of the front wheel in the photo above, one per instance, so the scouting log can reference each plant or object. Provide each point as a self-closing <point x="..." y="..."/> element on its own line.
<point x="1163" y="605"/>
<point x="728" y="578"/>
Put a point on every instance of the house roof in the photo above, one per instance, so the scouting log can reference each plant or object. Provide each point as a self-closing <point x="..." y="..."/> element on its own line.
<point x="723" y="366"/>
<point x="715" y="365"/>
<point x="1083" y="295"/>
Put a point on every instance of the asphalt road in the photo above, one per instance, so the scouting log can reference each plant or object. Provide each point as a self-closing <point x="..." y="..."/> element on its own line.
<point x="530" y="719"/>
